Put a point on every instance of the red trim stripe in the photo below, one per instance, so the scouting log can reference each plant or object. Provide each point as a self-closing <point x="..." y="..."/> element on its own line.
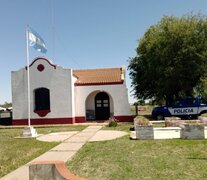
<point x="43" y="121"/>
<point x="78" y="119"/>
<point x="98" y="83"/>
<point x="125" y="118"/>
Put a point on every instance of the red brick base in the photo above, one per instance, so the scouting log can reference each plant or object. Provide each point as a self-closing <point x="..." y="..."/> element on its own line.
<point x="124" y="118"/>
<point x="78" y="119"/>
<point x="43" y="121"/>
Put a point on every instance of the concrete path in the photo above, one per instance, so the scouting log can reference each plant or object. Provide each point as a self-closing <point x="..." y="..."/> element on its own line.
<point x="62" y="152"/>
<point x="105" y="135"/>
<point x="56" y="137"/>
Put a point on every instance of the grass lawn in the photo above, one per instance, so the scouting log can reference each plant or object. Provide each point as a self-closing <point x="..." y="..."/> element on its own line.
<point x="137" y="159"/>
<point x="51" y="129"/>
<point x="16" y="152"/>
<point x="120" y="127"/>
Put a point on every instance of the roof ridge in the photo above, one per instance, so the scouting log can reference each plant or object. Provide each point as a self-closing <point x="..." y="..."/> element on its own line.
<point x="96" y="69"/>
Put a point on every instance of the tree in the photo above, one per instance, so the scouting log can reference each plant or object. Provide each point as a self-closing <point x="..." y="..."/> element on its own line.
<point x="201" y="88"/>
<point x="6" y="105"/>
<point x="171" y="58"/>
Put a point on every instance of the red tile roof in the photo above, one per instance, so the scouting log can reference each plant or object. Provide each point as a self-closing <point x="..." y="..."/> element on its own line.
<point x="98" y="76"/>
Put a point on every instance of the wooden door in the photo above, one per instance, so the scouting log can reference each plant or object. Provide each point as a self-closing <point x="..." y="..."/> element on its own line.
<point x="102" y="106"/>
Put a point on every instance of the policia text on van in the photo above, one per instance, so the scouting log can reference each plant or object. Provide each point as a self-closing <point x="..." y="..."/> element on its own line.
<point x="185" y="107"/>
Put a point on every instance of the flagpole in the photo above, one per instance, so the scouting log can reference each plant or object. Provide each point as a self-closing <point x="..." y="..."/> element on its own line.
<point x="28" y="131"/>
<point x="28" y="76"/>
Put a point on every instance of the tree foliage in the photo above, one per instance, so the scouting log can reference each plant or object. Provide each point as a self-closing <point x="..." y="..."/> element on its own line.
<point x="6" y="105"/>
<point x="171" y="58"/>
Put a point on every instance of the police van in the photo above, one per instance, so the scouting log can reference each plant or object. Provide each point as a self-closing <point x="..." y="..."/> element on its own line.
<point x="185" y="108"/>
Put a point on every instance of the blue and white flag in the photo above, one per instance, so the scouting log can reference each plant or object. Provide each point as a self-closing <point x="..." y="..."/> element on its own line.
<point x="36" y="41"/>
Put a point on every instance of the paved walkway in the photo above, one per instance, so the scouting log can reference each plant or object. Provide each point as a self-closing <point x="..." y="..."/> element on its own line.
<point x="71" y="143"/>
<point x="62" y="152"/>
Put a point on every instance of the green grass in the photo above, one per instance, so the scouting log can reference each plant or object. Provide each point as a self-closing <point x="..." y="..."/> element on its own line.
<point x="120" y="127"/>
<point x="17" y="152"/>
<point x="137" y="159"/>
<point x="51" y="129"/>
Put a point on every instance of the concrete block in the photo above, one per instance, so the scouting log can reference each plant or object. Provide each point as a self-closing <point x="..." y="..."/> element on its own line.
<point x="192" y="132"/>
<point x="50" y="170"/>
<point x="144" y="132"/>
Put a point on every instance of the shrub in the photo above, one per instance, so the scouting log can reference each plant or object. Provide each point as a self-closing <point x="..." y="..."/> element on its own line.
<point x="173" y="122"/>
<point x="113" y="122"/>
<point x="141" y="121"/>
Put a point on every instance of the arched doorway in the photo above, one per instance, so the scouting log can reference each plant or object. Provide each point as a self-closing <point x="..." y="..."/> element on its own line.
<point x="102" y="106"/>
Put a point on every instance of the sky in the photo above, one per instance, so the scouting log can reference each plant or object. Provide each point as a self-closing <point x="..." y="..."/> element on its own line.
<point x="81" y="34"/>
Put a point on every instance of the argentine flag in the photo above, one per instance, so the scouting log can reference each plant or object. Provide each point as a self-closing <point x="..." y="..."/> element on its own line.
<point x="36" y="41"/>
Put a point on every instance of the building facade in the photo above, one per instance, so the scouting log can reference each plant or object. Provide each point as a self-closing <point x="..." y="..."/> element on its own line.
<point x="66" y="96"/>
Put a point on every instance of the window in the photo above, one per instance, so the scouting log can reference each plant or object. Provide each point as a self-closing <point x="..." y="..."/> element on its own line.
<point x="42" y="99"/>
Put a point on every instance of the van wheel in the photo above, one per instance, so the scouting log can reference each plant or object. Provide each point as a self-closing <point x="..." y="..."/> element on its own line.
<point x="160" y="117"/>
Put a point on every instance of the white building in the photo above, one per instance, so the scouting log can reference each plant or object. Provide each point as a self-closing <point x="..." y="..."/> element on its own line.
<point x="65" y="96"/>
